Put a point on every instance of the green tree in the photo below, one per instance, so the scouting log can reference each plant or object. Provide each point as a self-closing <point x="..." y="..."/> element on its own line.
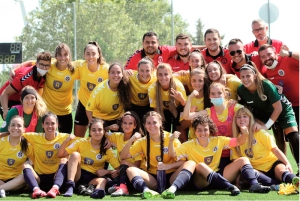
<point x="199" y="38"/>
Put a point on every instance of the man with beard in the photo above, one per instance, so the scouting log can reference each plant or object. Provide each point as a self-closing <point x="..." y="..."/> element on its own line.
<point x="151" y="49"/>
<point x="239" y="57"/>
<point x="183" y="47"/>
<point x="283" y="71"/>
<point x="214" y="51"/>
<point x="259" y="30"/>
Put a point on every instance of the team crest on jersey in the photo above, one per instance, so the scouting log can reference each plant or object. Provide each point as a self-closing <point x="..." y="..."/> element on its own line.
<point x="160" y="59"/>
<point x="88" y="161"/>
<point x="229" y="119"/>
<point x="56" y="146"/>
<point x="57" y="84"/>
<point x="100" y="79"/>
<point x="67" y="78"/>
<point x="10" y="161"/>
<point x="166" y="103"/>
<point x="224" y="61"/>
<point x="90" y="86"/>
<point x="158" y="158"/>
<point x="208" y="160"/>
<point x="254" y="141"/>
<point x="222" y="129"/>
<point x="20" y="154"/>
<point x="99" y="157"/>
<point x="249" y="154"/>
<point x="49" y="154"/>
<point x="142" y="96"/>
<point x="115" y="106"/>
<point x="4" y="124"/>
<point x="165" y="150"/>
<point x="281" y="72"/>
<point x="215" y="149"/>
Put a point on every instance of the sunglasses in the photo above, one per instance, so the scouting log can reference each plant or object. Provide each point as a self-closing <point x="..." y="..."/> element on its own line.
<point x="232" y="53"/>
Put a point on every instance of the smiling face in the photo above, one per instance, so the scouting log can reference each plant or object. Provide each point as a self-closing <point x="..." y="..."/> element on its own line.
<point x="91" y="54"/>
<point x="213" y="71"/>
<point x="197" y="82"/>
<point x="152" y="125"/>
<point x="212" y="42"/>
<point x="195" y="61"/>
<point x="96" y="131"/>
<point x="50" y="125"/>
<point x="238" y="47"/>
<point x="202" y="132"/>
<point x="29" y="101"/>
<point x="267" y="56"/>
<point x="16" y="127"/>
<point x="164" y="76"/>
<point x="144" y="71"/>
<point x="260" y="31"/>
<point x="183" y="47"/>
<point x="128" y="124"/>
<point x="115" y="74"/>
<point x="248" y="78"/>
<point x="242" y="119"/>
<point x="150" y="45"/>
<point x="63" y="57"/>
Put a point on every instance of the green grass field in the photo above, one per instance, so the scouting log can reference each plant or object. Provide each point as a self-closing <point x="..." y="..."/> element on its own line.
<point x="184" y="195"/>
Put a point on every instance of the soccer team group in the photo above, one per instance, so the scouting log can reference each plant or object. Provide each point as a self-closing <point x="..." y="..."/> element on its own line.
<point x="174" y="117"/>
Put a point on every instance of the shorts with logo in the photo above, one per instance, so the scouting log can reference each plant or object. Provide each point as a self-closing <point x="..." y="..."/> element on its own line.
<point x="80" y="116"/>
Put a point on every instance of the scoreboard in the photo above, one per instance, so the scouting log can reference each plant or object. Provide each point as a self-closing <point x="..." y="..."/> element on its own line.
<point x="10" y="53"/>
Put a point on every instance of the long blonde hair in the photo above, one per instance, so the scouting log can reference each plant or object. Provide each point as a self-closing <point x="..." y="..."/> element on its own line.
<point x="236" y="130"/>
<point x="159" y="102"/>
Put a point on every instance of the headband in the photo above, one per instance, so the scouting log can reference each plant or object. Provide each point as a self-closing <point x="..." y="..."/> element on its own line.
<point x="25" y="92"/>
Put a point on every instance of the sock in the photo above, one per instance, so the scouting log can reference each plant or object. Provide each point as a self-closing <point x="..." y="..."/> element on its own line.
<point x="217" y="180"/>
<point x="138" y="183"/>
<point x="248" y="174"/>
<point x="123" y="174"/>
<point x="293" y="138"/>
<point x="70" y="185"/>
<point x="287" y="177"/>
<point x="265" y="180"/>
<point x="98" y="193"/>
<point x="60" y="175"/>
<point x="182" y="178"/>
<point x="30" y="179"/>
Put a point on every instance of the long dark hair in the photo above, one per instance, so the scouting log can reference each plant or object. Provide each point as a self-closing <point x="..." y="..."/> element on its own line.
<point x="67" y="48"/>
<point x="162" y="137"/>
<point x="138" y="127"/>
<point x="101" y="59"/>
<point x="102" y="142"/>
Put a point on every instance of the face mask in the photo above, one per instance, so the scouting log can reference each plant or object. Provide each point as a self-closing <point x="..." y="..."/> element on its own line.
<point x="42" y="72"/>
<point x="217" y="101"/>
<point x="273" y="65"/>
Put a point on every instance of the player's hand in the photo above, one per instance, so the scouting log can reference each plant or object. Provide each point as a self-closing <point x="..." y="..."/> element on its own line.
<point x="162" y="166"/>
<point x="223" y="79"/>
<point x="244" y="130"/>
<point x="194" y="94"/>
<point x="114" y="127"/>
<point x="176" y="94"/>
<point x="175" y="135"/>
<point x="284" y="51"/>
<point x="114" y="173"/>
<point x="135" y="136"/>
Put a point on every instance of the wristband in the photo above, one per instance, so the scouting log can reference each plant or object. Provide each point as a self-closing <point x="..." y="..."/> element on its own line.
<point x="269" y="123"/>
<point x="290" y="54"/>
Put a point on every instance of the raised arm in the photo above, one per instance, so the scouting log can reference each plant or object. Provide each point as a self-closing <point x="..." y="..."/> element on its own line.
<point x="125" y="151"/>
<point x="187" y="114"/>
<point x="62" y="149"/>
<point x="8" y="91"/>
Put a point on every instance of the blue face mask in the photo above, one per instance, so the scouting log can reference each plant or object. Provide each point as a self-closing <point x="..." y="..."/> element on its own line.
<point x="217" y="101"/>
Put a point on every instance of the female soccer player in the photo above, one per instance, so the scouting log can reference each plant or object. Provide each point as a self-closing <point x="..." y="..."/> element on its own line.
<point x="215" y="72"/>
<point x="110" y="98"/>
<point x="33" y="108"/>
<point x="46" y="165"/>
<point x="206" y="152"/>
<point x="268" y="105"/>
<point x="154" y="149"/>
<point x="262" y="151"/>
<point x="129" y="124"/>
<point x="167" y="96"/>
<point x="13" y="153"/>
<point x="86" y="162"/>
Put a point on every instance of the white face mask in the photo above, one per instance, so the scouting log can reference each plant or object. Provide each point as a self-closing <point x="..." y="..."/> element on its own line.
<point x="273" y="65"/>
<point x="42" y="72"/>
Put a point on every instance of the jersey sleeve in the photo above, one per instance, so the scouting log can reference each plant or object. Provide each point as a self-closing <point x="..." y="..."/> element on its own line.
<point x="12" y="112"/>
<point x="152" y="95"/>
<point x="237" y="107"/>
<point x="112" y="137"/>
<point x="181" y="152"/>
<point x="266" y="139"/>
<point x="133" y="61"/>
<point x="113" y="159"/>
<point x="73" y="147"/>
<point x="271" y="92"/>
<point x="137" y="148"/>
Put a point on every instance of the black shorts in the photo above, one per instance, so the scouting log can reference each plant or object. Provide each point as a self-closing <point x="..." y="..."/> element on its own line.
<point x="65" y="123"/>
<point x="80" y="116"/>
<point x="46" y="181"/>
<point x="168" y="177"/>
<point x="86" y="177"/>
<point x="224" y="161"/>
<point x="141" y="110"/>
<point x="271" y="172"/>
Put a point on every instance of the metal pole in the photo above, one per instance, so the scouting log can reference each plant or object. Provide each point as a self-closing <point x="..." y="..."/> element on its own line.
<point x="75" y="50"/>
<point x="172" y="19"/>
<point x="269" y="18"/>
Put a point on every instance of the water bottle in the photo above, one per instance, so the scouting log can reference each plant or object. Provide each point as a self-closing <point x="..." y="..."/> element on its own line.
<point x="161" y="180"/>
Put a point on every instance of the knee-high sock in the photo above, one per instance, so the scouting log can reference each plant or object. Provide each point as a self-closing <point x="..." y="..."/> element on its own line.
<point x="123" y="174"/>
<point x="182" y="178"/>
<point x="60" y="175"/>
<point x="248" y="174"/>
<point x="293" y="138"/>
<point x="30" y="179"/>
<point x="138" y="183"/>
<point x="218" y="181"/>
<point x="287" y="177"/>
<point x="265" y="180"/>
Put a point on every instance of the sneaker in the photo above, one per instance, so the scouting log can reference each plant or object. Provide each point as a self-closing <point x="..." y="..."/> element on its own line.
<point x="257" y="188"/>
<point x="2" y="193"/>
<point x="53" y="192"/>
<point x="81" y="189"/>
<point x="120" y="192"/>
<point x="295" y="182"/>
<point x="147" y="194"/>
<point x="112" y="189"/>
<point x="90" y="189"/>
<point x="167" y="194"/>
<point x="274" y="187"/>
<point x="98" y="193"/>
<point x="38" y="193"/>
<point x="234" y="190"/>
